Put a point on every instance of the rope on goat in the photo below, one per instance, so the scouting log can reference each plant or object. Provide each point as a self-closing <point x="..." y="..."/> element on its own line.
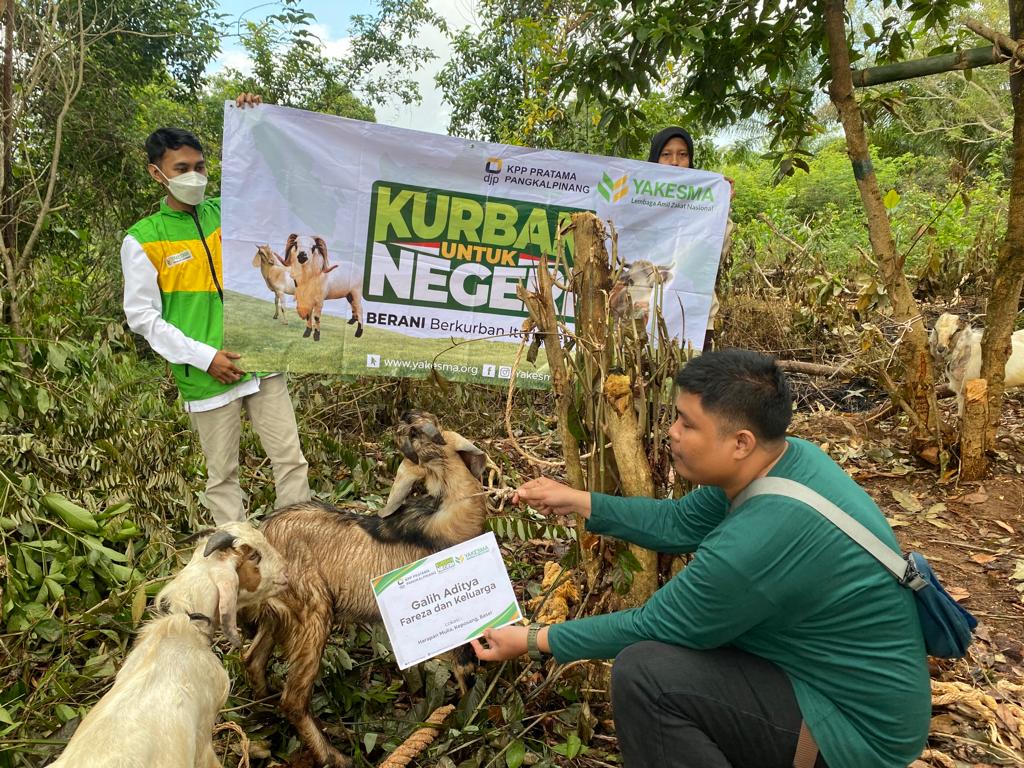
<point x="419" y="740"/>
<point x="243" y="746"/>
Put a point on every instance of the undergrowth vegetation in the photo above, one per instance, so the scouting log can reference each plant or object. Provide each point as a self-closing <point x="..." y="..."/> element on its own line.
<point x="100" y="474"/>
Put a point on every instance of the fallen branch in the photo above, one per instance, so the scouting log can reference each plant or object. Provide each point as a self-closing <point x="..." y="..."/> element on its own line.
<point x="816" y="369"/>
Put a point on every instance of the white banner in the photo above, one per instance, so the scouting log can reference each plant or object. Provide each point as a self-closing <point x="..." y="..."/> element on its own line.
<point x="394" y="251"/>
<point x="445" y="600"/>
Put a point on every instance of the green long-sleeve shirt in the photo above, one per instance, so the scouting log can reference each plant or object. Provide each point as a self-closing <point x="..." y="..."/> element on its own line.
<point x="778" y="580"/>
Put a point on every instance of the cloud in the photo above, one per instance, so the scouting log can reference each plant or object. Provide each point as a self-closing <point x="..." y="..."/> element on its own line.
<point x="431" y="114"/>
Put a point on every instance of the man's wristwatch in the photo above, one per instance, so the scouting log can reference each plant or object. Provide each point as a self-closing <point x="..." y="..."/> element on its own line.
<point x="531" y="642"/>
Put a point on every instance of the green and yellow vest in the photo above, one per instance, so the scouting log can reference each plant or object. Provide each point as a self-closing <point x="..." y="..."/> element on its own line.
<point x="185" y="250"/>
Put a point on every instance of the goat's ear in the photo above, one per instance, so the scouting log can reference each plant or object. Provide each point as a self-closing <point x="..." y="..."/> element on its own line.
<point x="278" y="257"/>
<point x="256" y="259"/>
<point x="226" y="580"/>
<point x="248" y="568"/>
<point x="220" y="540"/>
<point x="472" y="457"/>
<point x="664" y="274"/>
<point x="331" y="268"/>
<point x="405" y="446"/>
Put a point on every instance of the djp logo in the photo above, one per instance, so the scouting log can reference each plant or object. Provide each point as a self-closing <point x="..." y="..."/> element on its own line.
<point x="613" y="190"/>
<point x="493" y="165"/>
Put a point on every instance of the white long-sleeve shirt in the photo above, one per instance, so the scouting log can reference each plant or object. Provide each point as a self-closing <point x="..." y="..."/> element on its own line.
<point x="143" y="307"/>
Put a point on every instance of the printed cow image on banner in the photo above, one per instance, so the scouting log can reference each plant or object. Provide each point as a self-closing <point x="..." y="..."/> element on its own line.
<point x="363" y="249"/>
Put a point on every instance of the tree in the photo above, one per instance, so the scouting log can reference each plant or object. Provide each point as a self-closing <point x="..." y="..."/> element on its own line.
<point x="72" y="62"/>
<point x="979" y="429"/>
<point x="743" y="59"/>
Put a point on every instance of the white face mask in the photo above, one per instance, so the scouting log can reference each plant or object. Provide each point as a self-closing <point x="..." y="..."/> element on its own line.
<point x="189" y="188"/>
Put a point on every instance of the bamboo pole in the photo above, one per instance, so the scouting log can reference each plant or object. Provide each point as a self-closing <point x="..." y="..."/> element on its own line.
<point x="947" y="62"/>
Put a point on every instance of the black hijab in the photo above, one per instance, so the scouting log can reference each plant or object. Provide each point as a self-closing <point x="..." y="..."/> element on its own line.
<point x="661" y="139"/>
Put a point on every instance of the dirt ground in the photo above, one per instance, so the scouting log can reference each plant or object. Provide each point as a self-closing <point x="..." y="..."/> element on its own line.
<point x="973" y="536"/>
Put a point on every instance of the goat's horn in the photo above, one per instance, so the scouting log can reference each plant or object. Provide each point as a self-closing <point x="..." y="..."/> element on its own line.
<point x="220" y="540"/>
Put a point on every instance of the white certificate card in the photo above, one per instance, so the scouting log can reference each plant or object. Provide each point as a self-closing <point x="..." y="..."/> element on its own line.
<point x="446" y="599"/>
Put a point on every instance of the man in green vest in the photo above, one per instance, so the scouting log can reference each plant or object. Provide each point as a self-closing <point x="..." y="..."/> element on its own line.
<point x="174" y="298"/>
<point x="784" y="642"/>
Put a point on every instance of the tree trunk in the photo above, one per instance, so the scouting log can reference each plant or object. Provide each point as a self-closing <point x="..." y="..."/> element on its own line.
<point x="912" y="349"/>
<point x="978" y="434"/>
<point x="542" y="311"/>
<point x="973" y="461"/>
<point x="614" y="414"/>
<point x="9" y="287"/>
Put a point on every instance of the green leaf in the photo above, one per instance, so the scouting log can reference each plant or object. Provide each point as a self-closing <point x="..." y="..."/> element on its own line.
<point x="891" y="199"/>
<point x="5" y="716"/>
<point x="74" y="516"/>
<point x="515" y="754"/>
<point x="369" y="742"/>
<point x="42" y="400"/>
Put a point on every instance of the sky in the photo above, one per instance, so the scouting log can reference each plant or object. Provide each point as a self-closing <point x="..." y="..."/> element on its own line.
<point x="331" y="27"/>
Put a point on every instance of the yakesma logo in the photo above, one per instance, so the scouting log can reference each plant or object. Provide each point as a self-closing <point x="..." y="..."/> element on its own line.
<point x="373" y="361"/>
<point x="611" y="189"/>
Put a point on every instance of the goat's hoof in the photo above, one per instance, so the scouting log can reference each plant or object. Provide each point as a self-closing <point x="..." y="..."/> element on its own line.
<point x="351" y="320"/>
<point x="316" y="335"/>
<point x="359" y="331"/>
<point x="308" y="331"/>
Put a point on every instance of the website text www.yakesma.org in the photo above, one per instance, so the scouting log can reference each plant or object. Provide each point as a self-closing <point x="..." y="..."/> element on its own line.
<point x="486" y="370"/>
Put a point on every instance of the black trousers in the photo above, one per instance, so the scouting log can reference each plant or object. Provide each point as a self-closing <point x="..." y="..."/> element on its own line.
<point x="722" y="708"/>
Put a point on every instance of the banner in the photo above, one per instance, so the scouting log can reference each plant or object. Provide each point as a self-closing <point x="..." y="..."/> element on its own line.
<point x="356" y="248"/>
<point x="445" y="600"/>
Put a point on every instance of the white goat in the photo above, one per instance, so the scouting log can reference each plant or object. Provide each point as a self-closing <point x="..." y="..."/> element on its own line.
<point x="276" y="276"/>
<point x="316" y="281"/>
<point x="162" y="707"/>
<point x="958" y="345"/>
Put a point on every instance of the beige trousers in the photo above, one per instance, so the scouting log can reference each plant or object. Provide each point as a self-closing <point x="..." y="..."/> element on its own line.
<point x="220" y="430"/>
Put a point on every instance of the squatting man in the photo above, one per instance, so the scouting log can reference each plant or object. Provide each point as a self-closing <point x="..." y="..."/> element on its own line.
<point x="782" y="630"/>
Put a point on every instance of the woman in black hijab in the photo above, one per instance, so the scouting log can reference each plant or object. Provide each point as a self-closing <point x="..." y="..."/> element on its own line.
<point x="674" y="146"/>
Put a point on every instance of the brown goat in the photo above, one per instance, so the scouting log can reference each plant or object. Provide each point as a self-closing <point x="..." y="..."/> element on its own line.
<point x="331" y="555"/>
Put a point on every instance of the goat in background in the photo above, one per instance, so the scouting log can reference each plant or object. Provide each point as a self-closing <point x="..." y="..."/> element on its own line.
<point x="276" y="276"/>
<point x="957" y="345"/>
<point x="162" y="707"/>
<point x="331" y="555"/>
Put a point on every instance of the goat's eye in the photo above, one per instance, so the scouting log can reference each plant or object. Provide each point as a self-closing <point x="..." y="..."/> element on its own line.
<point x="255" y="557"/>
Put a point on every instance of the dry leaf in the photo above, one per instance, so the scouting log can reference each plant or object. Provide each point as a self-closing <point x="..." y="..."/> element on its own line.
<point x="937" y="523"/>
<point x="978" y="497"/>
<point x="983" y="559"/>
<point x="958" y="593"/>
<point x="906" y="500"/>
<point x="1006" y="527"/>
